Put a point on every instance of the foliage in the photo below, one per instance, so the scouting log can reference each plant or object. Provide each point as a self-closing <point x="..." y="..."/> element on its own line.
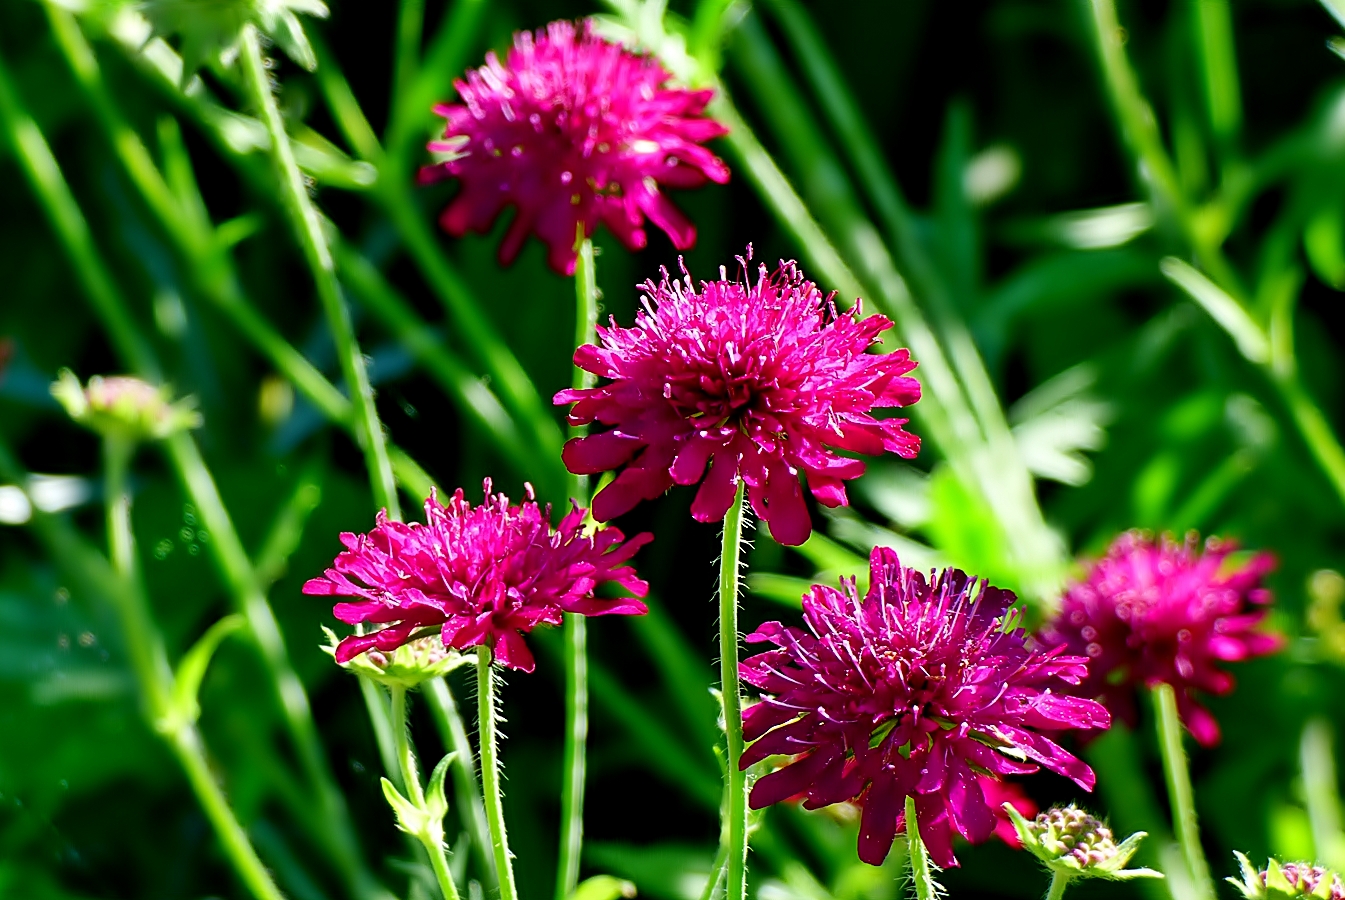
<point x="1114" y="240"/>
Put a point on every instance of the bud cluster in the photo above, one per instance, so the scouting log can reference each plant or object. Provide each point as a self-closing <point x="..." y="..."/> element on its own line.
<point x="1291" y="879"/>
<point x="1073" y="844"/>
<point x="1073" y="832"/>
<point x="123" y="407"/>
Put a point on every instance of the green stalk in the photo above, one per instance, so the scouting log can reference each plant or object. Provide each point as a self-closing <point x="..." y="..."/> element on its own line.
<point x="466" y="790"/>
<point x="1180" y="794"/>
<point x="921" y="873"/>
<point x="490" y="772"/>
<point x="406" y="758"/>
<point x="150" y="662"/>
<point x="734" y="830"/>
<point x="53" y="194"/>
<point x="576" y="626"/>
<point x="507" y="375"/>
<point x="232" y="561"/>
<point x="1058" y="882"/>
<point x="308" y="229"/>
<point x="410" y="25"/>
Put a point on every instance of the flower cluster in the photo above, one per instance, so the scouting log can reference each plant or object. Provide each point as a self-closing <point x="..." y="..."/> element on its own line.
<point x="574" y="130"/>
<point x="480" y="575"/>
<point x="1153" y="612"/>
<point x="911" y="691"/>
<point x="759" y="381"/>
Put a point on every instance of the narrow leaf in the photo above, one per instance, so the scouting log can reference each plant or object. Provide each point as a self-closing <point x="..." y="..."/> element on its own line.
<point x="1249" y="336"/>
<point x="191" y="671"/>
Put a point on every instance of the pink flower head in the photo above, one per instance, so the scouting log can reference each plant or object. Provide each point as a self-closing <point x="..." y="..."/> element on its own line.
<point x="482" y="575"/>
<point x="574" y="130"/>
<point x="920" y="689"/>
<point x="1163" y="612"/>
<point x="757" y="381"/>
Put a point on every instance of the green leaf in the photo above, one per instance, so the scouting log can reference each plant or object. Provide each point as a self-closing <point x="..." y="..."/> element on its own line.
<point x="435" y="803"/>
<point x="1324" y="243"/>
<point x="1250" y="337"/>
<point x="191" y="671"/>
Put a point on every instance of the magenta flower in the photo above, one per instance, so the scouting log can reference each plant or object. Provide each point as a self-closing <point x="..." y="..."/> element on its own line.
<point x="482" y="575"/>
<point x="1162" y="612"/>
<point x="575" y="130"/>
<point x="918" y="690"/>
<point x="757" y="381"/>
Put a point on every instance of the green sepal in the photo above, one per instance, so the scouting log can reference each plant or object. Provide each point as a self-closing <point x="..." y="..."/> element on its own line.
<point x="603" y="887"/>
<point x="191" y="671"/>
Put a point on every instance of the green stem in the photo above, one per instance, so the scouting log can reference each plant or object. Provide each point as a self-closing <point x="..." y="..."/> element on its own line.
<point x="490" y="772"/>
<point x="576" y="627"/>
<point x="249" y="599"/>
<point x="406" y="758"/>
<point x="410" y="24"/>
<point x="156" y="679"/>
<point x="466" y="790"/>
<point x="734" y="831"/>
<point x="308" y="229"/>
<point x="918" y="856"/>
<point x="1058" y="882"/>
<point x="188" y="748"/>
<point x="1180" y="794"/>
<point x="401" y="740"/>
<point x="53" y="195"/>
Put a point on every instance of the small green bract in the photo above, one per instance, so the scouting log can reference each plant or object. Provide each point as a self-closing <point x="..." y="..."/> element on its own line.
<point x="1073" y="843"/>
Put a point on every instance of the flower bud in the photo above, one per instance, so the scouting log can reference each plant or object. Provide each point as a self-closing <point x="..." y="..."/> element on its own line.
<point x="1074" y="843"/>
<point x="123" y="407"/>
<point x="407" y="666"/>
<point x="1291" y="879"/>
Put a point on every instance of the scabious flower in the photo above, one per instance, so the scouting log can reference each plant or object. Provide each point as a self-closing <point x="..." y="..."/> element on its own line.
<point x="574" y="130"/>
<point x="481" y="575"/>
<point x="1152" y="612"/>
<point x="1291" y="879"/>
<point x="760" y="381"/>
<point x="918" y="689"/>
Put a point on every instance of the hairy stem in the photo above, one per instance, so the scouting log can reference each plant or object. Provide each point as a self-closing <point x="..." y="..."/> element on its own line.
<point x="466" y="790"/>
<point x="734" y="829"/>
<point x="490" y="772"/>
<point x="1180" y="794"/>
<point x="576" y="627"/>
<point x="406" y="760"/>
<point x="150" y="662"/>
<point x="918" y="856"/>
<point x="308" y="229"/>
<point x="1058" y="882"/>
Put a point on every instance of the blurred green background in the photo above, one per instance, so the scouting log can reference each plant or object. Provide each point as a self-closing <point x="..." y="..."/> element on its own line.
<point x="981" y="172"/>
